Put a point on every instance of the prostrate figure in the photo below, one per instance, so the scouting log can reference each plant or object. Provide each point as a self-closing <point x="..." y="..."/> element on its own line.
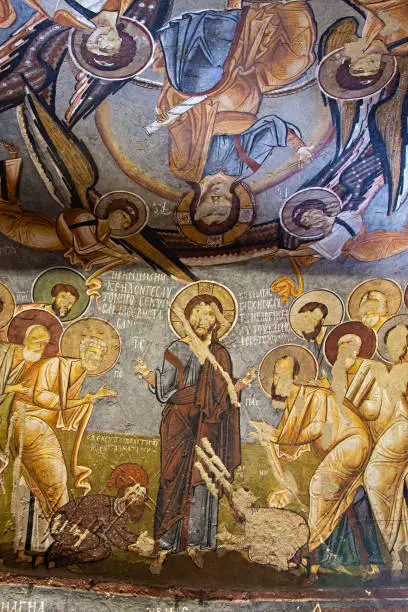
<point x="86" y="528"/>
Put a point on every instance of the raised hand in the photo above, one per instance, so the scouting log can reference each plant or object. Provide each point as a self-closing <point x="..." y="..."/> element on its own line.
<point x="246" y="380"/>
<point x="104" y="392"/>
<point x="141" y="367"/>
<point x="264" y="433"/>
<point x="143" y="370"/>
<point x="279" y="499"/>
<point x="305" y="156"/>
<point x="100" y="394"/>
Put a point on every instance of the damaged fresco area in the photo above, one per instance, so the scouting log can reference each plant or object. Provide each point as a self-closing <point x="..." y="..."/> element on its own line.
<point x="203" y="299"/>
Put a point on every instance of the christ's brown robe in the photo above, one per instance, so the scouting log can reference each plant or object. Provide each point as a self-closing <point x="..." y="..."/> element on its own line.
<point x="201" y="410"/>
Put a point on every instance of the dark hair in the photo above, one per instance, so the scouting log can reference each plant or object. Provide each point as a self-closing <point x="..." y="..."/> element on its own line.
<point x="207" y="299"/>
<point x="296" y="365"/>
<point x="1" y="305"/>
<point x="59" y="288"/>
<point x="125" y="206"/>
<point x="311" y="306"/>
<point x="311" y="204"/>
<point x="118" y="60"/>
<point x="126" y="475"/>
<point x="353" y="83"/>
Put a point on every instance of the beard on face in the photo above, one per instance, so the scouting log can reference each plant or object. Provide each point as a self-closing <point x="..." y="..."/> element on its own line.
<point x="204" y="334"/>
<point x="133" y="508"/>
<point x="370" y="320"/>
<point x="276" y="397"/>
<point x="310" y="336"/>
<point x="61" y="312"/>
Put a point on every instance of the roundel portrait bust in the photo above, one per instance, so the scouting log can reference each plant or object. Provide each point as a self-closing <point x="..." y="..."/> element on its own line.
<point x="217" y="212"/>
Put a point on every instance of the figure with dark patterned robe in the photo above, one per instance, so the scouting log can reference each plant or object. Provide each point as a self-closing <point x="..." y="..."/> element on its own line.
<point x="86" y="528"/>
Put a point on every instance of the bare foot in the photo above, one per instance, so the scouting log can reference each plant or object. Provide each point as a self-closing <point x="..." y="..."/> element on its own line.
<point x="196" y="556"/>
<point x="157" y="565"/>
<point x="372" y="572"/>
<point x="313" y="574"/>
<point x="39" y="560"/>
<point x="21" y="557"/>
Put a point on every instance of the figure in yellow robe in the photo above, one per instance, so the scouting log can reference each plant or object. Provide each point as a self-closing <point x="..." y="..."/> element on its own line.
<point x="232" y="57"/>
<point x="380" y="397"/>
<point x="51" y="401"/>
<point x="340" y="439"/>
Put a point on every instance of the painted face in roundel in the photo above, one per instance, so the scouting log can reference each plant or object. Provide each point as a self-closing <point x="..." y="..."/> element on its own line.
<point x="64" y="302"/>
<point x="308" y="321"/>
<point x="367" y="65"/>
<point x="119" y="220"/>
<point x="35" y="342"/>
<point x="372" y="309"/>
<point x="91" y="358"/>
<point x="397" y="343"/>
<point x="203" y="319"/>
<point x="283" y="376"/>
<point x="348" y="350"/>
<point x="316" y="218"/>
<point x="104" y="40"/>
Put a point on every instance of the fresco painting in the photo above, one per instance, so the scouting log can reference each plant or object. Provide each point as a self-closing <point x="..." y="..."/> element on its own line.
<point x="203" y="295"/>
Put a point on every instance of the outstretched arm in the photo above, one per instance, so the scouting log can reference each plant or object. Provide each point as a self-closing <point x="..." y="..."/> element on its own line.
<point x="30" y="229"/>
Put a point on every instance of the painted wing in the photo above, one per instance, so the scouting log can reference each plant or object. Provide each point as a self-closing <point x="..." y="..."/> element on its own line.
<point x="387" y="124"/>
<point x="62" y="160"/>
<point x="68" y="168"/>
<point x="149" y="247"/>
<point x="32" y="54"/>
<point x="335" y="37"/>
<point x="90" y="91"/>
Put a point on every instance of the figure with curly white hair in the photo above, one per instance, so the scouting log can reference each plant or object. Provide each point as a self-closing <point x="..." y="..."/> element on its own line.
<point x="49" y="399"/>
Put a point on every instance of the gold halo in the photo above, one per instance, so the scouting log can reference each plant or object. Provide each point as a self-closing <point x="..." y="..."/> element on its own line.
<point x="219" y="291"/>
<point x="135" y="203"/>
<point x="36" y="316"/>
<point x="8" y="305"/>
<point x="326" y="77"/>
<point x="307" y="362"/>
<point x="98" y="328"/>
<point x="367" y="336"/>
<point x="333" y="302"/>
<point x="382" y="349"/>
<point x="390" y="288"/>
<point x="245" y="218"/>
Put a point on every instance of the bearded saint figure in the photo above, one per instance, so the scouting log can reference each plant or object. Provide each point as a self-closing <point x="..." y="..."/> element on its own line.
<point x="201" y="401"/>
<point x="343" y="448"/>
<point x="48" y="400"/>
